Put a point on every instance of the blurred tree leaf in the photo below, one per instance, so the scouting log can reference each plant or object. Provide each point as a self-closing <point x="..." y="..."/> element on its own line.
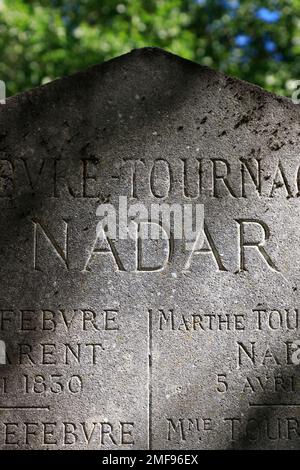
<point x="258" y="41"/>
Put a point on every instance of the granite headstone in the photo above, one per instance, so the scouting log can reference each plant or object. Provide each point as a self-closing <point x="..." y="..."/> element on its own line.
<point x="150" y="344"/>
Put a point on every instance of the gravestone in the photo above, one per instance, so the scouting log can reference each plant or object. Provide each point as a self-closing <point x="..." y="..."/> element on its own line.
<point x="149" y="344"/>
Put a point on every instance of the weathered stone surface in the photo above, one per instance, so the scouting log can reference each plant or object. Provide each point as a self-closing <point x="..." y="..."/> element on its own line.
<point x="103" y="353"/>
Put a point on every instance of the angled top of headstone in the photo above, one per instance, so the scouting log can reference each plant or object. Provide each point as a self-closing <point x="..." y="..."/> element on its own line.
<point x="144" y="78"/>
<point x="114" y="344"/>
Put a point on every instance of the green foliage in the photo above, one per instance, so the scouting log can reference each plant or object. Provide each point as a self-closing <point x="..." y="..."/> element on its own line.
<point x="43" y="40"/>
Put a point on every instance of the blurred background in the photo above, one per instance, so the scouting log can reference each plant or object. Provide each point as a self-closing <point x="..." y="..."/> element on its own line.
<point x="258" y="41"/>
